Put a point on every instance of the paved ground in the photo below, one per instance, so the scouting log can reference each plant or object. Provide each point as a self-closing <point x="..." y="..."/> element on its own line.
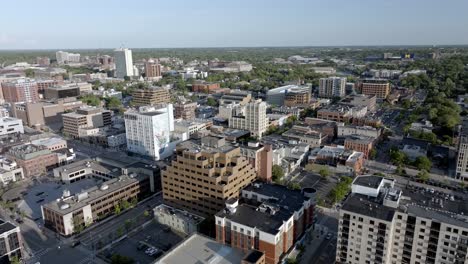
<point x="152" y="235"/>
<point x="310" y="179"/>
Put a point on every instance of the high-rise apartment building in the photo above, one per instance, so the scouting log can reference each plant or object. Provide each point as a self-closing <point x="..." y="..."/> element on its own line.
<point x="148" y="130"/>
<point x="377" y="87"/>
<point x="21" y="90"/>
<point x="204" y="175"/>
<point x="64" y="57"/>
<point x="152" y="70"/>
<point x="85" y="120"/>
<point x="123" y="63"/>
<point x="383" y="221"/>
<point x="185" y="110"/>
<point x="151" y="96"/>
<point x="332" y="87"/>
<point x="254" y="120"/>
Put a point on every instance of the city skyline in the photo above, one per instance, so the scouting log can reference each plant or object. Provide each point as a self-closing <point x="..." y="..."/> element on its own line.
<point x="155" y="24"/>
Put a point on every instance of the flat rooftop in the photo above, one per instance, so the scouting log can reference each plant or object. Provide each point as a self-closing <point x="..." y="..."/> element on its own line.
<point x="6" y="226"/>
<point x="198" y="249"/>
<point x="250" y="216"/>
<point x="371" y="181"/>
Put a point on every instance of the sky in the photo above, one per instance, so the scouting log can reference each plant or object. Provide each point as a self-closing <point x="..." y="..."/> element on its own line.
<point x="82" y="24"/>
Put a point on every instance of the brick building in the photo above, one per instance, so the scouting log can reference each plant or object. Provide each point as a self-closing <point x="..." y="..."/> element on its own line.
<point x="359" y="143"/>
<point x="205" y="87"/>
<point x="151" y="96"/>
<point x="35" y="160"/>
<point x="21" y="90"/>
<point x="185" y="110"/>
<point x="271" y="220"/>
<point x="377" y="87"/>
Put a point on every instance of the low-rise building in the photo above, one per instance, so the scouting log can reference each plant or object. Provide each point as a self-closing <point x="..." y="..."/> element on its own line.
<point x="57" y="92"/>
<point x="71" y="213"/>
<point x="306" y="135"/>
<point x="326" y="127"/>
<point x="178" y="220"/>
<point x="35" y="160"/>
<point x="10" y="126"/>
<point x="359" y="143"/>
<point x="10" y="171"/>
<point x="343" y="161"/>
<point x="341" y="113"/>
<point x="197" y="247"/>
<point x="11" y="242"/>
<point x="287" y="153"/>
<point x="192" y="126"/>
<point x="52" y="143"/>
<point x="362" y="100"/>
<point x="77" y="124"/>
<point x="236" y="97"/>
<point x="348" y="130"/>
<point x="278" y="96"/>
<point x="271" y="221"/>
<point x="205" y="87"/>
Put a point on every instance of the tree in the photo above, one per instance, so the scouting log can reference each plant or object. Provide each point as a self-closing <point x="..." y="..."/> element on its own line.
<point x="423" y="175"/>
<point x="211" y="102"/>
<point x="291" y="261"/>
<point x="294" y="186"/>
<point x="119" y="259"/>
<point x="324" y="172"/>
<point x="146" y="213"/>
<point x="423" y="163"/>
<point x="113" y="103"/>
<point x="125" y="204"/>
<point x="117" y="209"/>
<point x="133" y="202"/>
<point x="277" y="173"/>
<point x="91" y="100"/>
<point x="373" y="154"/>
<point x="128" y="224"/>
<point x="398" y="157"/>
<point x="29" y="73"/>
<point x="15" y="260"/>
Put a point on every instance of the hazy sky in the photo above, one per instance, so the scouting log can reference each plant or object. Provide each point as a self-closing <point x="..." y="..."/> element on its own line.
<point x="43" y="24"/>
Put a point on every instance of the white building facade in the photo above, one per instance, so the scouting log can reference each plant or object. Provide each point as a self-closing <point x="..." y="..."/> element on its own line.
<point x="254" y="120"/>
<point x="332" y="87"/>
<point x="123" y="63"/>
<point x="148" y="130"/>
<point x="10" y="125"/>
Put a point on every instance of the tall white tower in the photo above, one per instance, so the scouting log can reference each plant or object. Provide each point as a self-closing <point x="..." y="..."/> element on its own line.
<point x="123" y="63"/>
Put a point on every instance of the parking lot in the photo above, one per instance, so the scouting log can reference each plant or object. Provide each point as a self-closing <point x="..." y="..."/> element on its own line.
<point x="153" y="235"/>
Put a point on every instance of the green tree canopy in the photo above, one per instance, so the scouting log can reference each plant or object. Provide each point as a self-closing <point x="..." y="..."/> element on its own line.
<point x="277" y="173"/>
<point x="423" y="163"/>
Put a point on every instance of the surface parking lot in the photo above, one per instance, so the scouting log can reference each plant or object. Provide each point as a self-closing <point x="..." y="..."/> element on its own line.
<point x="152" y="235"/>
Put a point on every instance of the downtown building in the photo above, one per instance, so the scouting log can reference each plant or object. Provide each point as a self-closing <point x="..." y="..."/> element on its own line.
<point x="151" y="96"/>
<point x="86" y="121"/>
<point x="271" y="219"/>
<point x="185" y="110"/>
<point x="21" y="90"/>
<point x="462" y="156"/>
<point x="332" y="87"/>
<point x="9" y="126"/>
<point x="71" y="213"/>
<point x="383" y="221"/>
<point x="123" y="63"/>
<point x="377" y="87"/>
<point x="148" y="130"/>
<point x="254" y="119"/>
<point x="152" y="70"/>
<point x="204" y="175"/>
<point x="64" y="57"/>
<point x="10" y="241"/>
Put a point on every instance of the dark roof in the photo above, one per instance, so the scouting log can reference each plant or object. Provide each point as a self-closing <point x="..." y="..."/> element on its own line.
<point x="424" y="144"/>
<point x="253" y="256"/>
<point x="289" y="199"/>
<point x="249" y="216"/>
<point x="372" y="181"/>
<point x="6" y="226"/>
<point x="362" y="204"/>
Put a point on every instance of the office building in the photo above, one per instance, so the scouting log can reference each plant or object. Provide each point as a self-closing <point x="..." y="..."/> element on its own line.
<point x="43" y="84"/>
<point x="204" y="174"/>
<point x="341" y="113"/>
<point x="10" y="239"/>
<point x="152" y="70"/>
<point x="151" y="96"/>
<point x="332" y="87"/>
<point x="271" y="220"/>
<point x="385" y="221"/>
<point x="21" y="90"/>
<point x="9" y="126"/>
<point x="205" y="87"/>
<point x="72" y="213"/>
<point x="148" y="130"/>
<point x="35" y="160"/>
<point x="44" y="112"/>
<point x="235" y="97"/>
<point x="64" y="57"/>
<point x="185" y="110"/>
<point x="123" y="63"/>
<point x="277" y="96"/>
<point x="77" y="124"/>
<point x="297" y="97"/>
<point x="254" y="119"/>
<point x="178" y="220"/>
<point x="197" y="247"/>
<point x="57" y="92"/>
<point x="377" y="87"/>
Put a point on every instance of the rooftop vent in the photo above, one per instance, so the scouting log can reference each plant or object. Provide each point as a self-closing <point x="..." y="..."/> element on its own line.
<point x="104" y="187"/>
